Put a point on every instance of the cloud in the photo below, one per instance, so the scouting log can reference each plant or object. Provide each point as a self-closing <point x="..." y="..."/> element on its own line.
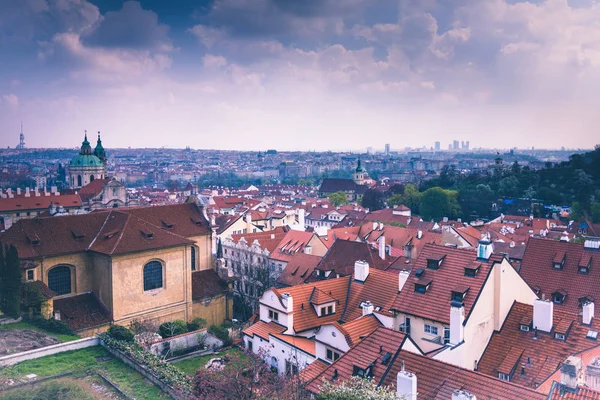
<point x="11" y="100"/>
<point x="131" y="27"/>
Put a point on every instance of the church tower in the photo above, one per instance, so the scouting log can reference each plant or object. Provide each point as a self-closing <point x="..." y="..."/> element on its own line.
<point x="359" y="174"/>
<point x="99" y="150"/>
<point x="87" y="165"/>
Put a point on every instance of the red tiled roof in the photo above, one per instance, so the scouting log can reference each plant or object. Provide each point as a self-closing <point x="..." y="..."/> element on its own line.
<point x="587" y="356"/>
<point x="537" y="270"/>
<point x="318" y="297"/>
<point x="342" y="255"/>
<point x="356" y="330"/>
<point x="92" y="189"/>
<point x="301" y="343"/>
<point x="581" y="393"/>
<point x="434" y="304"/>
<point x="34" y="202"/>
<point x="292" y="243"/>
<point x="82" y="311"/>
<point x="435" y="379"/>
<point x="298" y="269"/>
<point x="541" y="356"/>
<point x="380" y="288"/>
<point x="263" y="329"/>
<point x="313" y="370"/>
<point x="267" y="240"/>
<point x="207" y="283"/>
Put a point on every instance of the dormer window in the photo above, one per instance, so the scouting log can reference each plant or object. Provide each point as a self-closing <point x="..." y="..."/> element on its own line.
<point x="273" y="315"/>
<point x="584" y="264"/>
<point x="472" y="269"/>
<point x="559" y="260"/>
<point x="419" y="272"/>
<point x="524" y="328"/>
<point x="363" y="372"/>
<point x="435" y="260"/>
<point x="559" y="336"/>
<point x="422" y="285"/>
<point x="458" y="293"/>
<point x="559" y="296"/>
<point x="585" y="299"/>
<point x="327" y="311"/>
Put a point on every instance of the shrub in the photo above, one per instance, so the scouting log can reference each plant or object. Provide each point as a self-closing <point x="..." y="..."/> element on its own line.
<point x="52" y="325"/>
<point x="172" y="328"/>
<point x="119" y="332"/>
<point x="221" y="333"/>
<point x="196" y="323"/>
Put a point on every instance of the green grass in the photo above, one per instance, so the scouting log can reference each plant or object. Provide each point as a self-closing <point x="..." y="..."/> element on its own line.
<point x="82" y="362"/>
<point x="24" y="325"/>
<point x="191" y="365"/>
<point x="64" y="390"/>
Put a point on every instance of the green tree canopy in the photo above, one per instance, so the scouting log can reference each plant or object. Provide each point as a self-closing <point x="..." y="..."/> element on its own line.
<point x="373" y="200"/>
<point x="338" y="198"/>
<point x="437" y="203"/>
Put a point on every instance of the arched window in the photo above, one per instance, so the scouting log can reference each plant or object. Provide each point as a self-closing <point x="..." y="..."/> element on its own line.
<point x="91" y="178"/>
<point x="193" y="258"/>
<point x="153" y="277"/>
<point x="59" y="280"/>
<point x="79" y="180"/>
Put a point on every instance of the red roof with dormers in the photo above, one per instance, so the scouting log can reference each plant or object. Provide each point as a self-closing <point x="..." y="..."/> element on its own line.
<point x="434" y="304"/>
<point x="538" y="271"/>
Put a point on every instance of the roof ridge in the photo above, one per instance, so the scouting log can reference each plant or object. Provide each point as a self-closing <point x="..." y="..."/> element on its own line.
<point x="99" y="230"/>
<point x="121" y="233"/>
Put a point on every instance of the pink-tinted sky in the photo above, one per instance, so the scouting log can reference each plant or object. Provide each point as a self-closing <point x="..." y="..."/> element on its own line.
<point x="309" y="74"/>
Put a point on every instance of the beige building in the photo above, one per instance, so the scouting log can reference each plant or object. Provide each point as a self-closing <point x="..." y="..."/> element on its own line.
<point x="122" y="265"/>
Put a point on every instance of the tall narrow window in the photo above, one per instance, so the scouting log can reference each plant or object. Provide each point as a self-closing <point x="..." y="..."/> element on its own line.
<point x="79" y="180"/>
<point x="91" y="178"/>
<point x="153" y="277"/>
<point x="59" y="280"/>
<point x="193" y="258"/>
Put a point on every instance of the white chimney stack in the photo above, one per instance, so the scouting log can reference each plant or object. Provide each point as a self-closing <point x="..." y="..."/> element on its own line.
<point x="361" y="271"/>
<point x="382" y="247"/>
<point x="463" y="395"/>
<point x="288" y="303"/>
<point x="248" y="223"/>
<point x="367" y="308"/>
<point x="27" y="194"/>
<point x="406" y="385"/>
<point x="402" y="278"/>
<point x="457" y="319"/>
<point x="571" y="372"/>
<point x="301" y="218"/>
<point x="18" y="191"/>
<point x="419" y="234"/>
<point x="307" y="249"/>
<point x="543" y="314"/>
<point x="374" y="226"/>
<point x="588" y="312"/>
<point x="485" y="248"/>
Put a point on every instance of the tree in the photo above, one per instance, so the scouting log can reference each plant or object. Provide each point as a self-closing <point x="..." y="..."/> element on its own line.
<point x="412" y="198"/>
<point x="395" y="200"/>
<point x="437" y="203"/>
<point x="245" y="378"/>
<point x="11" y="282"/>
<point x="373" y="200"/>
<point x="338" y="198"/>
<point x="355" y="388"/>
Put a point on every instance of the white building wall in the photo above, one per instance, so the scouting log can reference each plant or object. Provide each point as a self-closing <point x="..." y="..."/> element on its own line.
<point x="282" y="351"/>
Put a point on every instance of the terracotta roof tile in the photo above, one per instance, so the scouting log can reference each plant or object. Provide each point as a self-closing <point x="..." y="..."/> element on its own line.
<point x="298" y="269"/>
<point x="299" y="342"/>
<point x="541" y="355"/>
<point x="313" y="370"/>
<point x="581" y="393"/>
<point x="33" y="202"/>
<point x="207" y="283"/>
<point x="82" y="311"/>
<point x="263" y="329"/>
<point x="435" y="302"/>
<point x="359" y="328"/>
<point x="537" y="270"/>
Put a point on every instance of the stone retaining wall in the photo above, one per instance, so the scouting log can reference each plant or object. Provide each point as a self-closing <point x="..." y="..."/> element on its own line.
<point x="16" y="358"/>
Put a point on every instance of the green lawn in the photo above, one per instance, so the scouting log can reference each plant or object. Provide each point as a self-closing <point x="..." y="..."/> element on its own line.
<point x="24" y="325"/>
<point x="84" y="361"/>
<point x="191" y="365"/>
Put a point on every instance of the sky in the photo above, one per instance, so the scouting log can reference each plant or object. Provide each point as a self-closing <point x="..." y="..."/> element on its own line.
<point x="300" y="74"/>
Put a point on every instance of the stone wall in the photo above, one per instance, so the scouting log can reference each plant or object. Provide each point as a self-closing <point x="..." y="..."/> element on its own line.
<point x="185" y="341"/>
<point x="16" y="358"/>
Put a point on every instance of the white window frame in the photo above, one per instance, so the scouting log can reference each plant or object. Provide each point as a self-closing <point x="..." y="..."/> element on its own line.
<point x="430" y="329"/>
<point x="273" y="315"/>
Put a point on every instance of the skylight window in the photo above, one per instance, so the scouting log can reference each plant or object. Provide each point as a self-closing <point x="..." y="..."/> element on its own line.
<point x="593" y="335"/>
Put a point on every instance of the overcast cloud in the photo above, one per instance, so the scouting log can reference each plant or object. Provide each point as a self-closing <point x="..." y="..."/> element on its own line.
<point x="316" y="74"/>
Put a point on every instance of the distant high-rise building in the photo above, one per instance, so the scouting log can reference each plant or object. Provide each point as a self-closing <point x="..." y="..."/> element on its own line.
<point x="437" y="146"/>
<point x="387" y="149"/>
<point x="21" y="144"/>
<point x="455" y="145"/>
<point x="467" y="145"/>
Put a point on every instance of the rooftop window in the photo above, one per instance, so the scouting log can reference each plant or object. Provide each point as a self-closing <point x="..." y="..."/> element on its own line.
<point x="422" y="285"/>
<point x="435" y="261"/>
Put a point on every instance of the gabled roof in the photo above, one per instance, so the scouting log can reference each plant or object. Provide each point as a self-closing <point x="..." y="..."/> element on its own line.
<point x="537" y="270"/>
<point x="581" y="393"/>
<point x="342" y="255"/>
<point x="354" y="331"/>
<point x="298" y="269"/>
<point x="331" y="185"/>
<point x="434" y="304"/>
<point x="435" y="379"/>
<point x="294" y="242"/>
<point x="263" y="329"/>
<point x="541" y="355"/>
<point x="22" y="203"/>
<point x="266" y="240"/>
<point x="82" y="311"/>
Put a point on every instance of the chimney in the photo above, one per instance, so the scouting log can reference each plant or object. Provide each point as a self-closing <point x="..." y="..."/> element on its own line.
<point x="381" y="226"/>
<point x="463" y="395"/>
<point x="457" y="318"/>
<point x="18" y="191"/>
<point x="402" y="278"/>
<point x="52" y="209"/>
<point x="301" y="218"/>
<point x="37" y="192"/>
<point x="307" y="249"/>
<point x="588" y="312"/>
<point x="564" y="237"/>
<point x="248" y="222"/>
<point x="212" y="220"/>
<point x="419" y="234"/>
<point x="543" y="314"/>
<point x="367" y="308"/>
<point x="571" y="372"/>
<point x="288" y="303"/>
<point x="53" y="189"/>
<point x="381" y="241"/>
<point x="374" y="226"/>
<point x="27" y="194"/>
<point x="361" y="271"/>
<point x="485" y="248"/>
<point x="592" y="374"/>
<point x="406" y="385"/>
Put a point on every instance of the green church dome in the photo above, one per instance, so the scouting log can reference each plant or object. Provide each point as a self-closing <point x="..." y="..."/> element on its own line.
<point x="86" y="160"/>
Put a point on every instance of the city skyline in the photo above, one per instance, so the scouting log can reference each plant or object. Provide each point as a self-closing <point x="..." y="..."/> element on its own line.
<point x="233" y="74"/>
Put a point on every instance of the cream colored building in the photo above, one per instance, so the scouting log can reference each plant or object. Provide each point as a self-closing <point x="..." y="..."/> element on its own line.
<point x="123" y="265"/>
